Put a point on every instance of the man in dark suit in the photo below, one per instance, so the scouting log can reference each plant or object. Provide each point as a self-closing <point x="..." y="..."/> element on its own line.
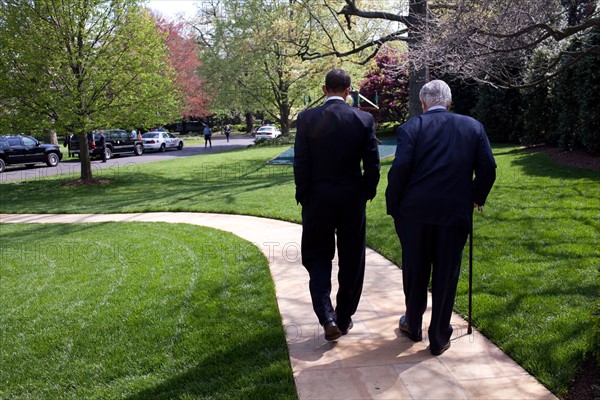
<point x="331" y="142"/>
<point x="431" y="194"/>
<point x="101" y="145"/>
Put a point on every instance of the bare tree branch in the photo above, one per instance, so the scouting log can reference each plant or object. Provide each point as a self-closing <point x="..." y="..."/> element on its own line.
<point x="373" y="43"/>
<point x="350" y="9"/>
<point x="486" y="40"/>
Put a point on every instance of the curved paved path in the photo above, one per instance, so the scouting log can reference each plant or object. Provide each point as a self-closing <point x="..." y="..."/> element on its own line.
<point x="374" y="361"/>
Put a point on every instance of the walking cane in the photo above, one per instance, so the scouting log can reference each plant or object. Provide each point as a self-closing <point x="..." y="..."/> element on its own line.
<point x="469" y="329"/>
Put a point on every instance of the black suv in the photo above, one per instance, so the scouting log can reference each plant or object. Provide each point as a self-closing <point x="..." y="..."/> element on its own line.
<point x="117" y="142"/>
<point x="20" y="149"/>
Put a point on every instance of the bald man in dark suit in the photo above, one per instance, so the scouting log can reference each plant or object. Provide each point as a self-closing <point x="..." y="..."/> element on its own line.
<point x="332" y="140"/>
<point x="431" y="194"/>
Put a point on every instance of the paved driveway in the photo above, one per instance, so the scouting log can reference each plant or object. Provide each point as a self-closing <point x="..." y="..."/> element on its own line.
<point x="125" y="162"/>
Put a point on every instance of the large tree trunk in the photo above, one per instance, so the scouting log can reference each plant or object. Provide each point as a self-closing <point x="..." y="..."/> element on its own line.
<point x="84" y="157"/>
<point x="284" y="115"/>
<point x="416" y="80"/>
<point x="249" y="122"/>
<point x="417" y="77"/>
<point x="52" y="137"/>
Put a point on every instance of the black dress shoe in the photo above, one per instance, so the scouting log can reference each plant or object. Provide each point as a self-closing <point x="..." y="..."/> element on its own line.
<point x="332" y="332"/>
<point x="350" y="326"/>
<point x="435" y="352"/>
<point x="404" y="328"/>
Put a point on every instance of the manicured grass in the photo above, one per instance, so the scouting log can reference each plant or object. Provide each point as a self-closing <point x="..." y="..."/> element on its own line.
<point x="536" y="245"/>
<point x="536" y="258"/>
<point x="137" y="311"/>
<point x="231" y="182"/>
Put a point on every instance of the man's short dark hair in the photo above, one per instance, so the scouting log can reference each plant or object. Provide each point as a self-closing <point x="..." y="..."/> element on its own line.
<point x="337" y="80"/>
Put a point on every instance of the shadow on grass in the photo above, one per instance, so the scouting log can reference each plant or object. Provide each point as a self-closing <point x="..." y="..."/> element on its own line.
<point x="172" y="323"/>
<point x="253" y="369"/>
<point x="506" y="149"/>
<point x="549" y="341"/>
<point x="541" y="165"/>
<point x="197" y="187"/>
<point x="30" y="233"/>
<point x="534" y="287"/>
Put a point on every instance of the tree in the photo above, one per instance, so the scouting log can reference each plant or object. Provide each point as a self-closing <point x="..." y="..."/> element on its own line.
<point x="493" y="40"/>
<point x="575" y="95"/>
<point x="486" y="40"/>
<point x="388" y="81"/>
<point x="184" y="59"/>
<point x="251" y="57"/>
<point x="83" y="64"/>
<point x="538" y="116"/>
<point x="499" y="111"/>
<point x="364" y="40"/>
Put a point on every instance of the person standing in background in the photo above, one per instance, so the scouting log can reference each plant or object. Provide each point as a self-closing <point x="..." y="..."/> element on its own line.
<point x="207" y="136"/>
<point x="101" y="145"/>
<point x="227" y="132"/>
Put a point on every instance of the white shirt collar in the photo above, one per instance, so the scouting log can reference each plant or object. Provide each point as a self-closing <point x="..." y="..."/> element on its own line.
<point x="334" y="98"/>
<point x="438" y="107"/>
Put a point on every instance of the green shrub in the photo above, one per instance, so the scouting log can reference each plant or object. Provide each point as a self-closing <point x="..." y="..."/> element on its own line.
<point x="537" y="115"/>
<point x="465" y="94"/>
<point x="576" y="93"/>
<point x="588" y="83"/>
<point x="281" y="140"/>
<point x="387" y="129"/>
<point x="239" y="128"/>
<point x="499" y="110"/>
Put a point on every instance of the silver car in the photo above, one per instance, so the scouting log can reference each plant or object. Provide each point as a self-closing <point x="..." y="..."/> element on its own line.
<point x="161" y="141"/>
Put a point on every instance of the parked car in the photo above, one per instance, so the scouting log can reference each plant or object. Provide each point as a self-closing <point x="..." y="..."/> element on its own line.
<point x="161" y="141"/>
<point x="21" y="149"/>
<point x="117" y="141"/>
<point x="267" y="132"/>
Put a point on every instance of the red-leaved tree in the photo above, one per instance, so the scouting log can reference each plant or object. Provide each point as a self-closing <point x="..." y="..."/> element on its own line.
<point x="388" y="82"/>
<point x="184" y="59"/>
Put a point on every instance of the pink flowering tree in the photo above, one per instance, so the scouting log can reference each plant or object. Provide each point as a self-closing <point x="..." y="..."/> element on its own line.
<point x="184" y="58"/>
<point x="387" y="83"/>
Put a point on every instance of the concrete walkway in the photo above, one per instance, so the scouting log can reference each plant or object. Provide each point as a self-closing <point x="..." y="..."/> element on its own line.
<point x="374" y="361"/>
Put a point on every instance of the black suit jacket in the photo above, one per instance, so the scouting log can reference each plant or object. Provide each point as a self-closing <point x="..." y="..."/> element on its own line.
<point x="431" y="178"/>
<point x="331" y="142"/>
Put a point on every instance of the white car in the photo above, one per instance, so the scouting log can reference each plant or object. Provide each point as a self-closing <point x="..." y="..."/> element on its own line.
<point x="267" y="132"/>
<point x="161" y="141"/>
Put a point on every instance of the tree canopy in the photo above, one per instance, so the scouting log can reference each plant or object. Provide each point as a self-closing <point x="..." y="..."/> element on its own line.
<point x="387" y="81"/>
<point x="486" y="40"/>
<point x="252" y="57"/>
<point x="185" y="60"/>
<point x="82" y="65"/>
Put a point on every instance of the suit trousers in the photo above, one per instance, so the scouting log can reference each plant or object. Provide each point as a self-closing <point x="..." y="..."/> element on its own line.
<point x="430" y="251"/>
<point x="334" y="210"/>
<point x="102" y="150"/>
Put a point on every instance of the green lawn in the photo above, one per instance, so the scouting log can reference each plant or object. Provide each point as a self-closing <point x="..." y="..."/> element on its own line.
<point x="537" y="245"/>
<point x="231" y="182"/>
<point x="137" y="311"/>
